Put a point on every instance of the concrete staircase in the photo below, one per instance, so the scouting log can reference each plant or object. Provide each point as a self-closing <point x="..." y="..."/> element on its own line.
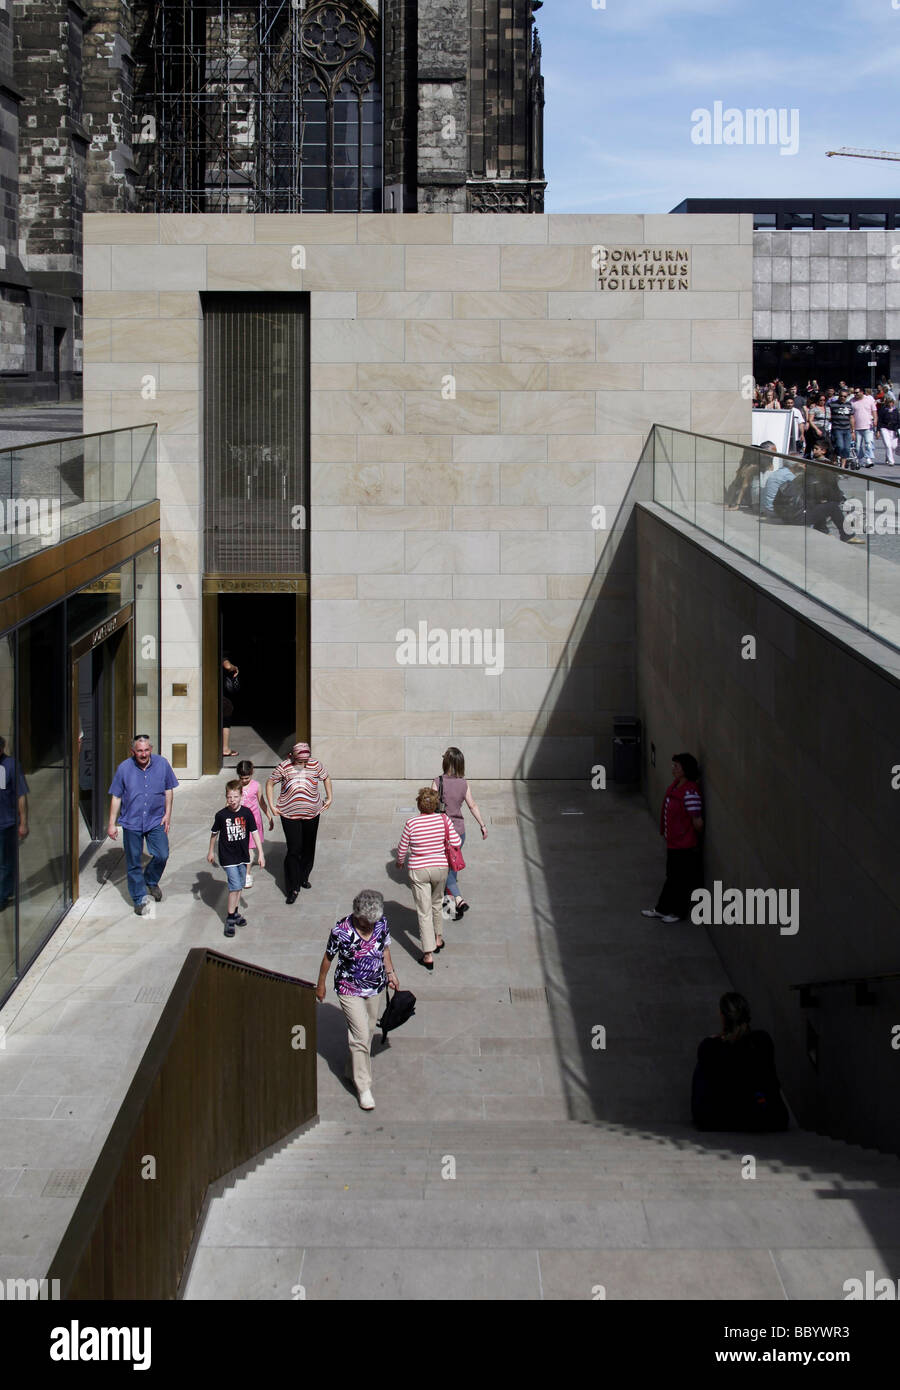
<point x="550" y="1209"/>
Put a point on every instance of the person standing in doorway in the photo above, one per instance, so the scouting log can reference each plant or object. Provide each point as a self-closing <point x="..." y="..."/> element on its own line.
<point x="454" y="791"/>
<point x="680" y="822"/>
<point x="230" y="688"/>
<point x="299" y="804"/>
<point x="13" y="821"/>
<point x="142" y="792"/>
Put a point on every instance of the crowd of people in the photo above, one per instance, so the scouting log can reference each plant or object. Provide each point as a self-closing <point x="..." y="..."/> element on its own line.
<point x="842" y="422"/>
<point x="735" y="1085"/>
<point x="141" y="805"/>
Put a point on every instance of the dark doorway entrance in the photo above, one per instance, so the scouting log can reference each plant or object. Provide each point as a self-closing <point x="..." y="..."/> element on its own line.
<point x="102" y="715"/>
<point x="257" y="632"/>
<point x="59" y="335"/>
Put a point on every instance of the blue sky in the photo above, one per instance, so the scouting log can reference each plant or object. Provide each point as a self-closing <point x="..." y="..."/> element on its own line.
<point x="621" y="83"/>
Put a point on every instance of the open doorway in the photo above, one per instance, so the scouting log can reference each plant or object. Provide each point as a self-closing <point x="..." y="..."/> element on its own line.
<point x="102" y="705"/>
<point x="258" y="634"/>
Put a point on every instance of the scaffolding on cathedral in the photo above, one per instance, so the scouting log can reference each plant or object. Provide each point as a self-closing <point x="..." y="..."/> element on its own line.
<point x="269" y="107"/>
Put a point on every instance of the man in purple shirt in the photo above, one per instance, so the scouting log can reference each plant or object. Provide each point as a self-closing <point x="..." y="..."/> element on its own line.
<point x="141" y="790"/>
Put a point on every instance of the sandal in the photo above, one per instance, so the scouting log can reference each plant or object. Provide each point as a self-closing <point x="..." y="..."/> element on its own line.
<point x="439" y="948"/>
<point x="428" y="964"/>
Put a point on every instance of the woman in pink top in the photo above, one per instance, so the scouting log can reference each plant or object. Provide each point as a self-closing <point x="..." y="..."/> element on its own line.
<point x="455" y="792"/>
<point x="252" y="798"/>
<point x="423" y="840"/>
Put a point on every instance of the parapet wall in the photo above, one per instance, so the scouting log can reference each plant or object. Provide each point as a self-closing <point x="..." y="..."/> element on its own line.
<point x="799" y="753"/>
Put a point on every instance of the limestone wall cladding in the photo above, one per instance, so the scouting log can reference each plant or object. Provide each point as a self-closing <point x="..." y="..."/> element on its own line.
<point x="475" y="401"/>
<point x="826" y="285"/>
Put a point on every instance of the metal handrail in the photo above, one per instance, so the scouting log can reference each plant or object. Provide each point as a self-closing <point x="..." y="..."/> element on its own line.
<point x="68" y="438"/>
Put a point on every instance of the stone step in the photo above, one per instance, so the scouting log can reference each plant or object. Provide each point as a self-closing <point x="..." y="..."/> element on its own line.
<point x="361" y="1159"/>
<point x="619" y="1222"/>
<point x="545" y="1188"/>
<point x="569" y="1135"/>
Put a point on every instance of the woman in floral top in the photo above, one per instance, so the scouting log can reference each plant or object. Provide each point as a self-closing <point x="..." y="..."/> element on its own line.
<point x="362" y="944"/>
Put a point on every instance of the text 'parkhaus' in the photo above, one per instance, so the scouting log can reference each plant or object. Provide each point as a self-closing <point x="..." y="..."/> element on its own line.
<point x="643" y="268"/>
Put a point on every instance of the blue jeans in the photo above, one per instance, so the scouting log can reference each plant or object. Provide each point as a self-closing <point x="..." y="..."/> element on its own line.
<point x="865" y="445"/>
<point x="452" y="886"/>
<point x="236" y="875"/>
<point x="841" y="439"/>
<point x="158" y="847"/>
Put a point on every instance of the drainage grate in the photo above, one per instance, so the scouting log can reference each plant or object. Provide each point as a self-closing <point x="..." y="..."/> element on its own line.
<point x="65" y="1182"/>
<point x="504" y="820"/>
<point x="151" y="994"/>
<point x="528" y="995"/>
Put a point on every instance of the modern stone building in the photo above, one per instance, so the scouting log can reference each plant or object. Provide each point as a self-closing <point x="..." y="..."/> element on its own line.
<point x="276" y="106"/>
<point x="453" y="411"/>
<point x="826" y="285"/>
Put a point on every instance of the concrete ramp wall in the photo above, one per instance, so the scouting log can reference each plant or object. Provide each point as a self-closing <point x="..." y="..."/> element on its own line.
<point x="797" y="743"/>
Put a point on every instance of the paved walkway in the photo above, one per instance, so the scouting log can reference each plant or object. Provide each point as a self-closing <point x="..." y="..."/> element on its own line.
<point x="497" y="1068"/>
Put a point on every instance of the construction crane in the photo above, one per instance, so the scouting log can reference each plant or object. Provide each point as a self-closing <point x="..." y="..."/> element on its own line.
<point x="864" y="154"/>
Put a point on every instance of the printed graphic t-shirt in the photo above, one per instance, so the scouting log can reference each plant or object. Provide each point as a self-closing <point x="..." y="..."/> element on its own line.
<point x="234" y="829"/>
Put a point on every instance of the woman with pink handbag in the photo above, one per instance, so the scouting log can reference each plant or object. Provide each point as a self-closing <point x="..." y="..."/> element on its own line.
<point x="455" y="792"/>
<point x="428" y="838"/>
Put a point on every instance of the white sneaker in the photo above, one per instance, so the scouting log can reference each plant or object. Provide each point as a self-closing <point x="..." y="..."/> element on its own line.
<point x="650" y="912"/>
<point x="366" y="1101"/>
<point x="668" y="918"/>
<point x="248" y="881"/>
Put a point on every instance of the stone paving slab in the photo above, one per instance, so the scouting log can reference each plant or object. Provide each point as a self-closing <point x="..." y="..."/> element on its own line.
<point x="554" y="901"/>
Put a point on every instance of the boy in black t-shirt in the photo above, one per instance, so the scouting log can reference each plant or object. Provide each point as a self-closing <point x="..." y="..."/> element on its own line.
<point x="234" y="825"/>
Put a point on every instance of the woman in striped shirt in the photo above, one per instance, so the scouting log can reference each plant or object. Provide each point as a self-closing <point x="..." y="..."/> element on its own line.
<point x="423" y="840"/>
<point x="301" y="777"/>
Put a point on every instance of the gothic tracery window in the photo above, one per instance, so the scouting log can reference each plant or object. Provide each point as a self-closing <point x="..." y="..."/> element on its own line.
<point x="341" y="142"/>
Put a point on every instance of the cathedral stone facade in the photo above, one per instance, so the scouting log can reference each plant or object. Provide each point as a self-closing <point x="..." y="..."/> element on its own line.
<point x="278" y="106"/>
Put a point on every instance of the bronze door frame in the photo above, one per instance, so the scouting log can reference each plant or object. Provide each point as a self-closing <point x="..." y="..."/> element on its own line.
<point x="213" y="586"/>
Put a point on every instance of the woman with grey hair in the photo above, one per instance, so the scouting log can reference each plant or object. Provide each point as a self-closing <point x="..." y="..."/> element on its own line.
<point x="362" y="944"/>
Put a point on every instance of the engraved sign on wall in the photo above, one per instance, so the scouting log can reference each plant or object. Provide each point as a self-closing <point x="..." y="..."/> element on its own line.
<point x="643" y="268"/>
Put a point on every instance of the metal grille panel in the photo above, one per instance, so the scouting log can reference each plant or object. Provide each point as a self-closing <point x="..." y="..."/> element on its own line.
<point x="255" y="415"/>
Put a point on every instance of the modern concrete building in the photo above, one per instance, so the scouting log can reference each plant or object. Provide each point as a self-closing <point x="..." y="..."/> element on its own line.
<point x="418" y="420"/>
